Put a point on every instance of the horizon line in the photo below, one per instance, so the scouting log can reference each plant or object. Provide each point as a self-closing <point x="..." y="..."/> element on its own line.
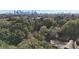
<point x="41" y="11"/>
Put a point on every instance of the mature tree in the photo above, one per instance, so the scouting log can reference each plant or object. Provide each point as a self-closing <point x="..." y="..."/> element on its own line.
<point x="43" y="30"/>
<point x="53" y="33"/>
<point x="71" y="29"/>
<point x="49" y="22"/>
<point x="6" y="46"/>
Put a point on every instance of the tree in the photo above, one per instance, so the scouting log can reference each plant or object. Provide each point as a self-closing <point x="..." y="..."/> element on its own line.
<point x="14" y="39"/>
<point x="71" y="29"/>
<point x="48" y="22"/>
<point x="35" y="44"/>
<point x="52" y="33"/>
<point x="6" y="46"/>
<point x="9" y="37"/>
<point x="43" y="30"/>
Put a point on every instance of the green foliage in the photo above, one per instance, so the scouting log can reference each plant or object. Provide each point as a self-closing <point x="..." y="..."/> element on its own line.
<point x="43" y="30"/>
<point x="49" y="22"/>
<point x="9" y="37"/>
<point x="52" y="34"/>
<point x="35" y="44"/>
<point x="6" y="46"/>
<point x="35" y="32"/>
<point x="71" y="29"/>
<point x="14" y="39"/>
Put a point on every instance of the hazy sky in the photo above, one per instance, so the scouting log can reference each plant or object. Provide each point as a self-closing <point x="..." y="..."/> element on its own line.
<point x="44" y="6"/>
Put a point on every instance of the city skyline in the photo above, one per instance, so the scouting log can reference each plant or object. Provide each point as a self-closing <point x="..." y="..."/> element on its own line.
<point x="42" y="11"/>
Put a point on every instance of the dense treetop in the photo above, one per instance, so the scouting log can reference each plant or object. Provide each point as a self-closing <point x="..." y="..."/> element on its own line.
<point x="30" y="31"/>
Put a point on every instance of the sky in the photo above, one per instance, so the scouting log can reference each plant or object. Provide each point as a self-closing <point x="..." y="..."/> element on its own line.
<point x="41" y="6"/>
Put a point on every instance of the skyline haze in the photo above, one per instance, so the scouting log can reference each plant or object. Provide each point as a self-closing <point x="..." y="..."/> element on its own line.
<point x="41" y="11"/>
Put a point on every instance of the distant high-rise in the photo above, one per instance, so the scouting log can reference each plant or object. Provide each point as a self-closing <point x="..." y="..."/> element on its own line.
<point x="25" y="12"/>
